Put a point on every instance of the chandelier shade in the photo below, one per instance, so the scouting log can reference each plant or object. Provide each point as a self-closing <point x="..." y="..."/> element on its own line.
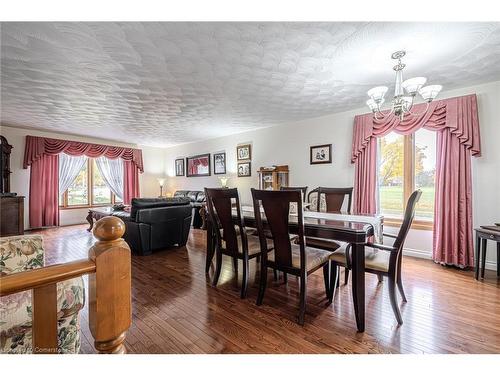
<point x="412" y="85"/>
<point x="429" y="93"/>
<point x="377" y="93"/>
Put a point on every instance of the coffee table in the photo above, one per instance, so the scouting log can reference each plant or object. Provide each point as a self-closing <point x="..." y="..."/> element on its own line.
<point x="97" y="213"/>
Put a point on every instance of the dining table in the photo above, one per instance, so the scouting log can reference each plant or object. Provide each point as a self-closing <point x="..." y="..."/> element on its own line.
<point x="350" y="228"/>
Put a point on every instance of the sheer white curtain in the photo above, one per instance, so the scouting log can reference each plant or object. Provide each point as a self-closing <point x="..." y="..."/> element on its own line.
<point x="69" y="167"/>
<point x="112" y="172"/>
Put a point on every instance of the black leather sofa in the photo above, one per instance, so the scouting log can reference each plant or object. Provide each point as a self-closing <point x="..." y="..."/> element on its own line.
<point x="197" y="199"/>
<point x="156" y="223"/>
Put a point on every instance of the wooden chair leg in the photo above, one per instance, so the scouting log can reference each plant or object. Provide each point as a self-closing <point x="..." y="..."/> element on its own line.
<point x="244" y="280"/>
<point x="303" y="297"/>
<point x="334" y="280"/>
<point x="380" y="278"/>
<point x="285" y="278"/>
<point x="346" y="276"/>
<point x="235" y="264"/>
<point x="218" y="265"/>
<point x="394" y="299"/>
<point x="262" y="283"/>
<point x="400" y="288"/>
<point x="326" y="278"/>
<point x="275" y="273"/>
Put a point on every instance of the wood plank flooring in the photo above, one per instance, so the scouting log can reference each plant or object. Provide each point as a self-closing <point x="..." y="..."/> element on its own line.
<point x="176" y="310"/>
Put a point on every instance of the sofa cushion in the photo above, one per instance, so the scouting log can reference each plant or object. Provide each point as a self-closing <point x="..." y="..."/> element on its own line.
<point x="181" y="193"/>
<point x="141" y="203"/>
<point x="201" y="197"/>
<point x="192" y="195"/>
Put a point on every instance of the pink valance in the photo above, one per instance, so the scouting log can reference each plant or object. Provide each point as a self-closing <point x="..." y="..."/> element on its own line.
<point x="458" y="114"/>
<point x="38" y="146"/>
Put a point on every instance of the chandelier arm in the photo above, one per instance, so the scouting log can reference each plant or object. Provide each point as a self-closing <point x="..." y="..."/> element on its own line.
<point x="424" y="111"/>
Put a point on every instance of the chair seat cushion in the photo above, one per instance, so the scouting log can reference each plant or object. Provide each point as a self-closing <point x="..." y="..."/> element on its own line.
<point x="314" y="257"/>
<point x="322" y="243"/>
<point x="377" y="260"/>
<point x="253" y="244"/>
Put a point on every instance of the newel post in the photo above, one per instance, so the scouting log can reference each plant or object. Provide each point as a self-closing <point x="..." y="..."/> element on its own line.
<point x="110" y="312"/>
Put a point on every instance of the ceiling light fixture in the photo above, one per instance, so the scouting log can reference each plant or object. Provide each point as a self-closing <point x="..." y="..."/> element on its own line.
<point x="404" y="93"/>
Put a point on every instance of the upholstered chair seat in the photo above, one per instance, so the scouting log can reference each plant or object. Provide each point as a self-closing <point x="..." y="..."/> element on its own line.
<point x="253" y="244"/>
<point x="377" y="260"/>
<point x="23" y="253"/>
<point x="314" y="257"/>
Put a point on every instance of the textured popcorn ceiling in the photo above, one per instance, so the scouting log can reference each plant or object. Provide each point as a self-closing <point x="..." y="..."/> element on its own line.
<point x="170" y="83"/>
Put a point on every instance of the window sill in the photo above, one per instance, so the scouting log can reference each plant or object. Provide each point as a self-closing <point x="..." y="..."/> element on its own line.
<point x="417" y="224"/>
<point x="84" y="206"/>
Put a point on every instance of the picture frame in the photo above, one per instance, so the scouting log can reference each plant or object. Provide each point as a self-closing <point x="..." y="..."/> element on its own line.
<point x="244" y="152"/>
<point x="245" y="169"/>
<point x="198" y="166"/>
<point x="321" y="154"/>
<point x="220" y="163"/>
<point x="179" y="167"/>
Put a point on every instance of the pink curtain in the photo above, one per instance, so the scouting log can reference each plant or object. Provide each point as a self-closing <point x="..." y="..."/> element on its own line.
<point x="42" y="155"/>
<point x="44" y="192"/>
<point x="38" y="146"/>
<point x="457" y="123"/>
<point x="130" y="181"/>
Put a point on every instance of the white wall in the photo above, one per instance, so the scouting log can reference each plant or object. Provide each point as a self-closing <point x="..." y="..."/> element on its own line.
<point x="153" y="167"/>
<point x="289" y="144"/>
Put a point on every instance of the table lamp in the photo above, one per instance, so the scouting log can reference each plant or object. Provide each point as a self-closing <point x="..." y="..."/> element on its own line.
<point x="161" y="181"/>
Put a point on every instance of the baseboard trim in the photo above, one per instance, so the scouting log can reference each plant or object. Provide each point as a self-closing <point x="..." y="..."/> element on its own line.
<point x="415" y="253"/>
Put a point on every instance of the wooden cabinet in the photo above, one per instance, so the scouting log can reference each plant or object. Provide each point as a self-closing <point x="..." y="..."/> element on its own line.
<point x="11" y="216"/>
<point x="273" y="178"/>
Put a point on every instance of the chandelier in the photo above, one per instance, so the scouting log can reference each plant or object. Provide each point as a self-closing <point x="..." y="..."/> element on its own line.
<point x="404" y="93"/>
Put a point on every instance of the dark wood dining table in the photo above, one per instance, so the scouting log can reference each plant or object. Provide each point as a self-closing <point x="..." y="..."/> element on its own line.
<point x="356" y="233"/>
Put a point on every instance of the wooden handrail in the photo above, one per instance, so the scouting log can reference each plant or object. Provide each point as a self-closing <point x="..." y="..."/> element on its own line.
<point x="21" y="281"/>
<point x="110" y="302"/>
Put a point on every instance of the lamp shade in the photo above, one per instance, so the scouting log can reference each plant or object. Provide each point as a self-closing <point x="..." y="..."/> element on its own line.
<point x="412" y="85"/>
<point x="161" y="181"/>
<point x="377" y="93"/>
<point x="429" y="93"/>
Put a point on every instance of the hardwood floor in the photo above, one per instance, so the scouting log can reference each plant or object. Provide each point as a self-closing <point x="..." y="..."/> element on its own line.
<point x="176" y="310"/>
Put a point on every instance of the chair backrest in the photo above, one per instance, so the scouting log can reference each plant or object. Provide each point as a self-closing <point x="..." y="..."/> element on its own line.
<point x="334" y="198"/>
<point x="220" y="203"/>
<point x="276" y="206"/>
<point x="303" y="189"/>
<point x="407" y="219"/>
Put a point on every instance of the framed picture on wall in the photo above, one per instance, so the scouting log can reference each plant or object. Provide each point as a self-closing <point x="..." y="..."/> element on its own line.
<point x="321" y="154"/>
<point x="198" y="165"/>
<point x="220" y="163"/>
<point x="244" y="169"/>
<point x="244" y="152"/>
<point x="179" y="167"/>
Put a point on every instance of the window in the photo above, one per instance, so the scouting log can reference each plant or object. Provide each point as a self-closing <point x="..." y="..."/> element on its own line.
<point x="405" y="164"/>
<point x="89" y="189"/>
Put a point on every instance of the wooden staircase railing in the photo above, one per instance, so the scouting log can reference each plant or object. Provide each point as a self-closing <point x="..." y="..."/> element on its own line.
<point x="108" y="267"/>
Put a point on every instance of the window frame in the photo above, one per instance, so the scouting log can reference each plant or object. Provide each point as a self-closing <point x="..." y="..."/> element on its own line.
<point x="409" y="185"/>
<point x="90" y="192"/>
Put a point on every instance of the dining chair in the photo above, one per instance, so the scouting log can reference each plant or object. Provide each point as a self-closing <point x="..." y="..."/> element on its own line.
<point x="290" y="258"/>
<point x="334" y="201"/>
<point x="382" y="260"/>
<point x="231" y="238"/>
<point x="303" y="189"/>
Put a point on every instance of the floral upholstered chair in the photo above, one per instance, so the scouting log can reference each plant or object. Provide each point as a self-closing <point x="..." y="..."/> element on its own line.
<point x="22" y="253"/>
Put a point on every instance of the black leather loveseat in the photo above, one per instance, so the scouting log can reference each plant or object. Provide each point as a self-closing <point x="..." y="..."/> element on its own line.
<point x="156" y="223"/>
<point x="197" y="199"/>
